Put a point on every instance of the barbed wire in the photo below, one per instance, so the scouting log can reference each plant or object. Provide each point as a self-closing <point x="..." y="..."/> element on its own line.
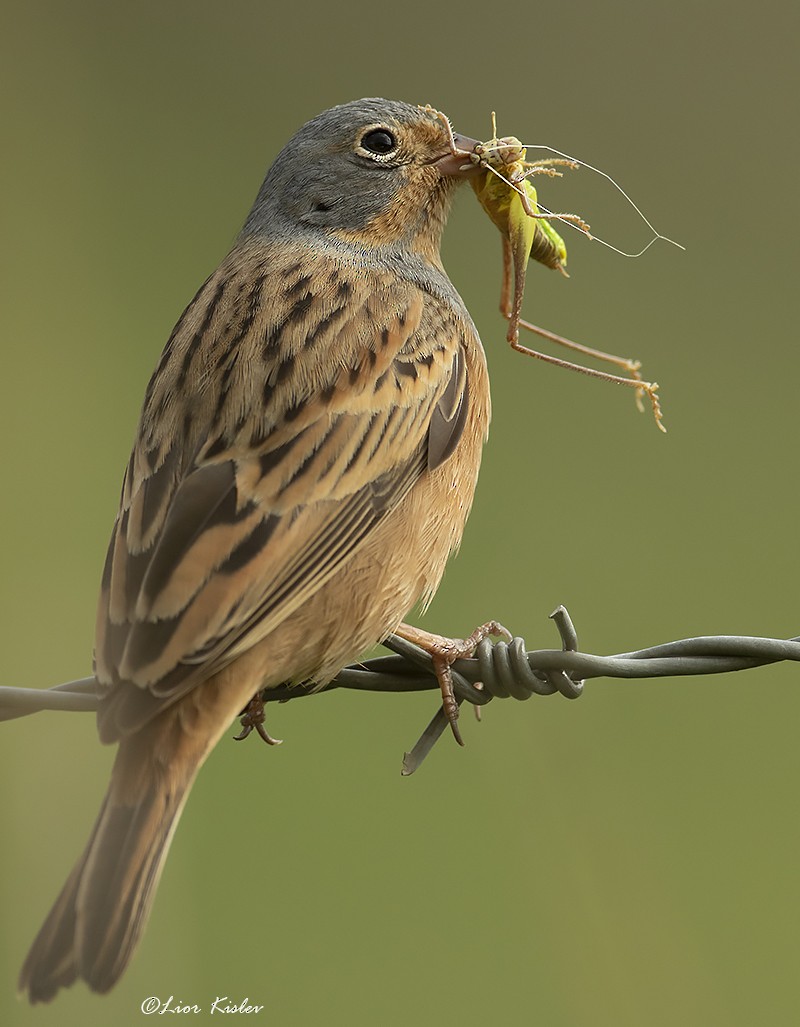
<point x="498" y="670"/>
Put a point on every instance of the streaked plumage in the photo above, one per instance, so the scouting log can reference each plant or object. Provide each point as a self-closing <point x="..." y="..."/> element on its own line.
<point x="304" y="464"/>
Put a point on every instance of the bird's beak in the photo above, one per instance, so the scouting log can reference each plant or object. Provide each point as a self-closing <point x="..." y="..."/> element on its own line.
<point x="459" y="163"/>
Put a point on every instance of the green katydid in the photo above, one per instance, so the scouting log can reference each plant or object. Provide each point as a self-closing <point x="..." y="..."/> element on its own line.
<point x="506" y="193"/>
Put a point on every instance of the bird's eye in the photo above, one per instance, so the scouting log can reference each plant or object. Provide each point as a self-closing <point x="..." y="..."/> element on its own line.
<point x="379" y="140"/>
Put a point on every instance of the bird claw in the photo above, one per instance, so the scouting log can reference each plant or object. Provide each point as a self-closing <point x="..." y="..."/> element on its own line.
<point x="253" y="720"/>
<point x="443" y="653"/>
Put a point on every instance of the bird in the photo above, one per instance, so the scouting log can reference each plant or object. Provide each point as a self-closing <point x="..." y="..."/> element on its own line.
<point x="304" y="464"/>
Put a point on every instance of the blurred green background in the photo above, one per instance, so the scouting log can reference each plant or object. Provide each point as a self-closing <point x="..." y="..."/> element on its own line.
<point x="628" y="859"/>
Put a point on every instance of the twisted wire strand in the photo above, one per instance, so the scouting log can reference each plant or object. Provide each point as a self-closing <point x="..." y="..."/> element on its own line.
<point x="498" y="670"/>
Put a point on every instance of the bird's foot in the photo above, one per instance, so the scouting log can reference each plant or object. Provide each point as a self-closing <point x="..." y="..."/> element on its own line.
<point x="252" y="719"/>
<point x="444" y="652"/>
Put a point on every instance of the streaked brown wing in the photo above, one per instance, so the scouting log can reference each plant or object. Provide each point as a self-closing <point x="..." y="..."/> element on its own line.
<point x="295" y="462"/>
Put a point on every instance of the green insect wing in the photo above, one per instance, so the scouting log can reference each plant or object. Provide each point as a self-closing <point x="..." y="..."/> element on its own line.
<point x="530" y="237"/>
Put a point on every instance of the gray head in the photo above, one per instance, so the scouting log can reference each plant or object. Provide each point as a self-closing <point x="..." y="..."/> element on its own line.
<point x="378" y="168"/>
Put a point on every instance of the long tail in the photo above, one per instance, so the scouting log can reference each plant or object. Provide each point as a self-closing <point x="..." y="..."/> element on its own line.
<point x="93" y="929"/>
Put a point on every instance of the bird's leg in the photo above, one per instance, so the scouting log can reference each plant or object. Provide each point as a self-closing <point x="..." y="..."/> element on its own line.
<point x="443" y="653"/>
<point x="253" y="719"/>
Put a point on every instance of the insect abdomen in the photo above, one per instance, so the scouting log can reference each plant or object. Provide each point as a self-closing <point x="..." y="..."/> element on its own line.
<point x="546" y="250"/>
